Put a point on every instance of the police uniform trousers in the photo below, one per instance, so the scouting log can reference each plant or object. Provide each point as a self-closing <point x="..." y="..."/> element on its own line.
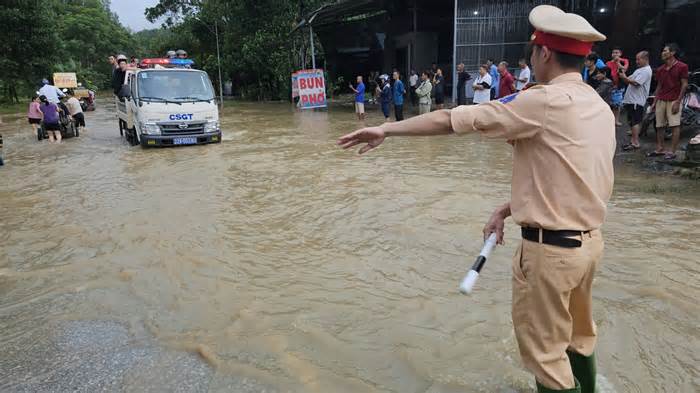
<point x="551" y="312"/>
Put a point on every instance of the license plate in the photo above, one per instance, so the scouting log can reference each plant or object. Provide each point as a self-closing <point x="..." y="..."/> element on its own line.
<point x="184" y="141"/>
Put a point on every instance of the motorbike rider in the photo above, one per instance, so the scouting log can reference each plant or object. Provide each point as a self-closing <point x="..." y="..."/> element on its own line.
<point x="51" y="92"/>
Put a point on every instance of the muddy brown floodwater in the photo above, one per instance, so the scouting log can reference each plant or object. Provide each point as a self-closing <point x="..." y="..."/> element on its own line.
<point x="277" y="258"/>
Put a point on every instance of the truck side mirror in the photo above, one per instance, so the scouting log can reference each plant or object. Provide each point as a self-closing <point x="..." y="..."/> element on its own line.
<point x="125" y="92"/>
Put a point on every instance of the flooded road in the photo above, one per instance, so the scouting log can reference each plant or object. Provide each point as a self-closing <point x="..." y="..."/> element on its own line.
<point x="289" y="265"/>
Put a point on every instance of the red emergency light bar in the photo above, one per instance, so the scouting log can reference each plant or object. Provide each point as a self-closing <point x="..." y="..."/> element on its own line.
<point x="155" y="61"/>
<point x="146" y="63"/>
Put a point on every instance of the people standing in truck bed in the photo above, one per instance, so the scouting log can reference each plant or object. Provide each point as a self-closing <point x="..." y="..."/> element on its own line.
<point x="119" y="75"/>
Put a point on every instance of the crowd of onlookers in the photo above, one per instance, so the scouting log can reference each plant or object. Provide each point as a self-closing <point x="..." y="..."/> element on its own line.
<point x="614" y="81"/>
<point x="630" y="92"/>
<point x="427" y="90"/>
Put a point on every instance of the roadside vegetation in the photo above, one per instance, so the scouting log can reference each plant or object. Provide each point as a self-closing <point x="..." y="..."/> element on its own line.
<point x="47" y="36"/>
<point x="258" y="50"/>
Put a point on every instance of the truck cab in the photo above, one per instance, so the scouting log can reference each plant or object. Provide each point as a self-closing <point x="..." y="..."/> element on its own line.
<point x="168" y="107"/>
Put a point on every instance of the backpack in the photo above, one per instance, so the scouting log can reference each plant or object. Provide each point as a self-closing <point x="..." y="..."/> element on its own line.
<point x="605" y="89"/>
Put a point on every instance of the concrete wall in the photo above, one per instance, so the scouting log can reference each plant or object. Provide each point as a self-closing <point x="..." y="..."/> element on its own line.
<point x="424" y="50"/>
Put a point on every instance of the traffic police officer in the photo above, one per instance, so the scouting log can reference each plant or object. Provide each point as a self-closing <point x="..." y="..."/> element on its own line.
<point x="563" y="137"/>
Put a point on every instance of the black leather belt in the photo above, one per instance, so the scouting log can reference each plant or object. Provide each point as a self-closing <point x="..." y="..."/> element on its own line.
<point x="554" y="238"/>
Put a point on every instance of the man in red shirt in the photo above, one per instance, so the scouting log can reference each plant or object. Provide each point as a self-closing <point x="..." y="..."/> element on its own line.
<point x="671" y="82"/>
<point x="506" y="85"/>
<point x="616" y="65"/>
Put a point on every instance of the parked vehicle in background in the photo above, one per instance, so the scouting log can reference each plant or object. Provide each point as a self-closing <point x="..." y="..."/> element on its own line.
<point x="86" y="97"/>
<point x="691" y="101"/>
<point x="167" y="106"/>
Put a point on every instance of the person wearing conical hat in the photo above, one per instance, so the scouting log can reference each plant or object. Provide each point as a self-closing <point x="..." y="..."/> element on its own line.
<point x="563" y="137"/>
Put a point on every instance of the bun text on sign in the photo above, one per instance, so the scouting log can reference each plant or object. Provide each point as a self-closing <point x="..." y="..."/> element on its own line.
<point x="65" y="80"/>
<point x="311" y="88"/>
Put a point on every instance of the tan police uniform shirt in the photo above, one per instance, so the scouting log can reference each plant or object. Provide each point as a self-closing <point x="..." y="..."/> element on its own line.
<point x="564" y="137"/>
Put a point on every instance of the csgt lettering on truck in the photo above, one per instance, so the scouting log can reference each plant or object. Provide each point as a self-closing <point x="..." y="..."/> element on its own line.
<point x="181" y="116"/>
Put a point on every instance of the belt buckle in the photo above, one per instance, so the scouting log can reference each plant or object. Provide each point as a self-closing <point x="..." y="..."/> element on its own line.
<point x="558" y="239"/>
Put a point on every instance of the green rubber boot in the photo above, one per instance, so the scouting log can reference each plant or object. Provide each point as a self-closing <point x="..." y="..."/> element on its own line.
<point x="542" y="389"/>
<point x="584" y="370"/>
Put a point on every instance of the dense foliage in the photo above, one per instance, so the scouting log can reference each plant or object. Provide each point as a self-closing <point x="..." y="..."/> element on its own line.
<point x="47" y="36"/>
<point x="258" y="49"/>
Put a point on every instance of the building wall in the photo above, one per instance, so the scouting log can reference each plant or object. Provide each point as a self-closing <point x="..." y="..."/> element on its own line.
<point x="497" y="29"/>
<point x="423" y="48"/>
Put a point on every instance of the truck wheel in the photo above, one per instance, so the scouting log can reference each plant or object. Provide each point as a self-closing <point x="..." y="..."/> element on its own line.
<point x="133" y="138"/>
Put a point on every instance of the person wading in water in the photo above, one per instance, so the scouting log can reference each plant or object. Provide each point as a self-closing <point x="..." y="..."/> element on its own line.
<point x="559" y="194"/>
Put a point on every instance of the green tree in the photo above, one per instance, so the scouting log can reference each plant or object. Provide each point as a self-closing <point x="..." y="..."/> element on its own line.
<point x="29" y="47"/>
<point x="47" y="36"/>
<point x="257" y="48"/>
<point x="89" y="32"/>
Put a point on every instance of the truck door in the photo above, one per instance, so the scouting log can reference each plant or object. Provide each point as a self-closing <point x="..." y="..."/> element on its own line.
<point x="131" y="104"/>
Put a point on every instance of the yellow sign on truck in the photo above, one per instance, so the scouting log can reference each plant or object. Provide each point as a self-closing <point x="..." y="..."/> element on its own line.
<point x="66" y="80"/>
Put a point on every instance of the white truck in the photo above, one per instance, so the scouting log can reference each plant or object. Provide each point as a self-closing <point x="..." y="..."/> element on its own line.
<point x="167" y="107"/>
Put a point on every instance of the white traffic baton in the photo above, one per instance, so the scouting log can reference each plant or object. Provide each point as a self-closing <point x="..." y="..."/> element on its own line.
<point x="470" y="279"/>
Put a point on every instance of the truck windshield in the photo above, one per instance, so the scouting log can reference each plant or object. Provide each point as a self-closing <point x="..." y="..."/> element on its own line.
<point x="177" y="86"/>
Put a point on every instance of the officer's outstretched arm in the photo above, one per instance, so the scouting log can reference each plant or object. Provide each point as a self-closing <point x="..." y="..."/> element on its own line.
<point x="517" y="116"/>
<point x="433" y="123"/>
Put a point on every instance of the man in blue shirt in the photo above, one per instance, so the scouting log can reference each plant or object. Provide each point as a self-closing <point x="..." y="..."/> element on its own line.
<point x="599" y="65"/>
<point x="495" y="78"/>
<point x="359" y="98"/>
<point x="399" y="91"/>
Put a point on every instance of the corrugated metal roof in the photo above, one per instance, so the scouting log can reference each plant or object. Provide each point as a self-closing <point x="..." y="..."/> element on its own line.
<point x="340" y="12"/>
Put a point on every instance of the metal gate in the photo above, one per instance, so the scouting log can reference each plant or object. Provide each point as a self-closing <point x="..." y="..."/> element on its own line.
<point x="491" y="29"/>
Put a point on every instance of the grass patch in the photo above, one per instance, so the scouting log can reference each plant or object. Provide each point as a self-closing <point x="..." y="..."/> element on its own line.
<point x="11" y="109"/>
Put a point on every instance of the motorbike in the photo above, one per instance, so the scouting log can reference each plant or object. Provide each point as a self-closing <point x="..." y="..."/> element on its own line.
<point x="86" y="98"/>
<point x="690" y="108"/>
